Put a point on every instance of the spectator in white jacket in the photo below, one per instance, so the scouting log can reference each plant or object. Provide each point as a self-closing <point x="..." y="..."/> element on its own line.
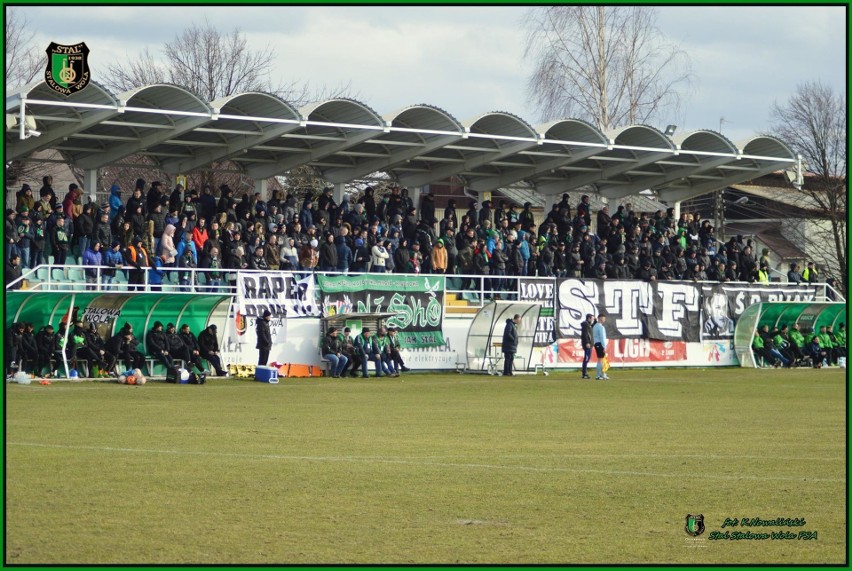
<point x="379" y="258"/>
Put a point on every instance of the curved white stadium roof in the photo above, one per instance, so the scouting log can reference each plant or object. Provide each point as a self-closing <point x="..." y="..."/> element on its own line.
<point x="345" y="139"/>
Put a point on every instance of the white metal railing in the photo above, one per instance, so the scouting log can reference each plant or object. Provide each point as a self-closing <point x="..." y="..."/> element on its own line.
<point x="475" y="289"/>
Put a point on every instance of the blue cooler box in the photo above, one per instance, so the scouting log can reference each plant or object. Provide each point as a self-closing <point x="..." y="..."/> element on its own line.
<point x="266" y="375"/>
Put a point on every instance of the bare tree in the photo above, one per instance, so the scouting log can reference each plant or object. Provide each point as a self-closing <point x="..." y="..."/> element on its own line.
<point x="813" y="123"/>
<point x="23" y="58"/>
<point x="609" y="65"/>
<point x="211" y="64"/>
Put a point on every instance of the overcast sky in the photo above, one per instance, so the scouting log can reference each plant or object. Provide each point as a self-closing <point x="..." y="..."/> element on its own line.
<point x="469" y="60"/>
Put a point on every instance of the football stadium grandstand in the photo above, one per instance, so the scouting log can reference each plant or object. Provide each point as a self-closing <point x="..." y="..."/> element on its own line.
<point x="455" y="217"/>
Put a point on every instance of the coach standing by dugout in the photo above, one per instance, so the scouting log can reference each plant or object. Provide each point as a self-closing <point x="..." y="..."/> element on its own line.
<point x="510" y="345"/>
<point x="264" y="338"/>
<point x="586" y="341"/>
<point x="599" y="338"/>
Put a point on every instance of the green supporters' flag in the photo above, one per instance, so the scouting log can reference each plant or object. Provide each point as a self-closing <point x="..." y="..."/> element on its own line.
<point x="417" y="303"/>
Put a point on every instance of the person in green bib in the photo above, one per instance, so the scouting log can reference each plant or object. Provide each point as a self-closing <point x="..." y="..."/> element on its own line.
<point x="384" y="343"/>
<point x="827" y="345"/>
<point x="841" y="338"/>
<point x="368" y="350"/>
<point x="399" y="364"/>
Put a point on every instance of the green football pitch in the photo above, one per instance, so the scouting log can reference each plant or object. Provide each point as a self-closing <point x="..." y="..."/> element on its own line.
<point x="440" y="468"/>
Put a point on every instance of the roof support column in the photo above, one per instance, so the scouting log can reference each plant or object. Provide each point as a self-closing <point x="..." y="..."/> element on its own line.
<point x="90" y="182"/>
<point x="549" y="201"/>
<point x="339" y="193"/>
<point x="416" y="192"/>
<point x="262" y="186"/>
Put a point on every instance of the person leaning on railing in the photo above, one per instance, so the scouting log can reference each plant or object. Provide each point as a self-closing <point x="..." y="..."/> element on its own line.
<point x="12" y="271"/>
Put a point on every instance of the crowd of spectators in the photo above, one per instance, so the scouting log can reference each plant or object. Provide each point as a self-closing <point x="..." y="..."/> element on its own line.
<point x="152" y="230"/>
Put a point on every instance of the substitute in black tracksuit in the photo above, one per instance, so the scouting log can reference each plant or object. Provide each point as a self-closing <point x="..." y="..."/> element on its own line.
<point x="192" y="347"/>
<point x="158" y="345"/>
<point x="208" y="347"/>
<point x="48" y="347"/>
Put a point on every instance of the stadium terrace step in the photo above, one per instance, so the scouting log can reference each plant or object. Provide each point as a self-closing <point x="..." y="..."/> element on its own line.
<point x="461" y="310"/>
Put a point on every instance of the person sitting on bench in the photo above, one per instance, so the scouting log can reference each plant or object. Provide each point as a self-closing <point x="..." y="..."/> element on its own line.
<point x="158" y="345"/>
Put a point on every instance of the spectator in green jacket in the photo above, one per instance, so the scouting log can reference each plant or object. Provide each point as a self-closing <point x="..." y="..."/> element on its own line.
<point x="796" y="341"/>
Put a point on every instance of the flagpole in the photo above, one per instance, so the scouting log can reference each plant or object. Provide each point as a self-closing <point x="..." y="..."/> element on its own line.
<point x="68" y="325"/>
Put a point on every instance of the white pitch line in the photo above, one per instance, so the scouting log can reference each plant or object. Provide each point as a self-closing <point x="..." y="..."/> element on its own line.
<point x="381" y="460"/>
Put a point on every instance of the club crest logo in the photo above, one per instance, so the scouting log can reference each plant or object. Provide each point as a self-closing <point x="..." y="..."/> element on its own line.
<point x="694" y="525"/>
<point x="67" y="69"/>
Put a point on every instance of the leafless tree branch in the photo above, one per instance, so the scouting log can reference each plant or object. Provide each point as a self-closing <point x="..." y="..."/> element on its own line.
<point x="607" y="64"/>
<point x="813" y="123"/>
<point x="23" y="59"/>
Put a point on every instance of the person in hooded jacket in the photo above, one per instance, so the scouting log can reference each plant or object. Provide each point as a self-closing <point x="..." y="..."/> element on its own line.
<point x="168" y="248"/>
<point x="439" y="257"/>
<point x="116" y="206"/>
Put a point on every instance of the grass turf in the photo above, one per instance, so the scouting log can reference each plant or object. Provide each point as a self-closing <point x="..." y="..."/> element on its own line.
<point x="441" y="468"/>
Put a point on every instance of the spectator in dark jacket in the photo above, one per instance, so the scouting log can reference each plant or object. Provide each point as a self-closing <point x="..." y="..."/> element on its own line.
<point x="264" y="338"/>
<point x="47" y="345"/>
<point x="12" y="271"/>
<point x="327" y="254"/>
<point x="344" y="255"/>
<point x="208" y="348"/>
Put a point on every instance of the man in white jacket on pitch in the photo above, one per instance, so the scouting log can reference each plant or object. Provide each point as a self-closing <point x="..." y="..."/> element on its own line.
<point x="599" y="339"/>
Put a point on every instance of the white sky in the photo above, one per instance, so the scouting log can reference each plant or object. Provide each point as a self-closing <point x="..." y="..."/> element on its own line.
<point x="469" y="60"/>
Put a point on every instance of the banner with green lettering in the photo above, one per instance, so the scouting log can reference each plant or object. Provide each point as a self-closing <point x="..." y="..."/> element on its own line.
<point x="417" y="303"/>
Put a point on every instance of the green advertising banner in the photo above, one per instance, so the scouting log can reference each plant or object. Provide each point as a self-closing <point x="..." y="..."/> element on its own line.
<point x="417" y="303"/>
